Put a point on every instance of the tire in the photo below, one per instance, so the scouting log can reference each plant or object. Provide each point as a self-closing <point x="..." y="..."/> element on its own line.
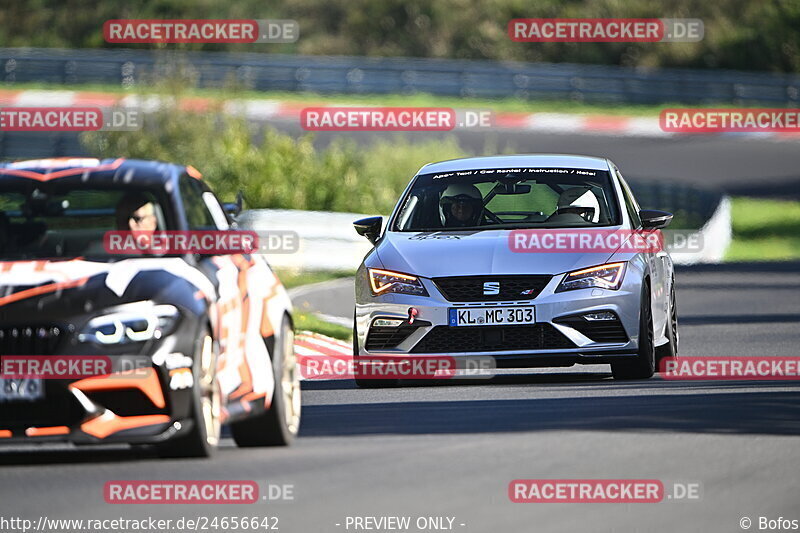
<point x="363" y="383"/>
<point x="278" y="425"/>
<point x="670" y="349"/>
<point x="644" y="364"/>
<point x="202" y="438"/>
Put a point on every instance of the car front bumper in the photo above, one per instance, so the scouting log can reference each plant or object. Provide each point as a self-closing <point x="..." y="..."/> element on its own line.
<point x="558" y="337"/>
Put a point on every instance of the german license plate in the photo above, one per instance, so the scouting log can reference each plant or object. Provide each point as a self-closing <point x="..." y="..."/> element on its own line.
<point x="491" y="316"/>
<point x="21" y="390"/>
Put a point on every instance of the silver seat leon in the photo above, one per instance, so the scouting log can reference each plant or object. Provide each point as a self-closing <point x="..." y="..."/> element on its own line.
<point x="531" y="260"/>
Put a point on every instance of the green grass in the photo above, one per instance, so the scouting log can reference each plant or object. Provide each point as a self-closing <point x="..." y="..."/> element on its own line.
<point x="295" y="278"/>
<point x="304" y="320"/>
<point x="417" y="100"/>
<point x="764" y="230"/>
<point x="308" y="322"/>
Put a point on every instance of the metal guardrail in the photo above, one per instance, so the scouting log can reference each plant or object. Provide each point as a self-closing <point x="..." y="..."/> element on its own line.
<point x="692" y="206"/>
<point x="367" y="75"/>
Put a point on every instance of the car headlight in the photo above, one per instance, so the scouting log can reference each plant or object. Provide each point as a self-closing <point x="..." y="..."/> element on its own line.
<point x="137" y="322"/>
<point x="602" y="277"/>
<point x="385" y="281"/>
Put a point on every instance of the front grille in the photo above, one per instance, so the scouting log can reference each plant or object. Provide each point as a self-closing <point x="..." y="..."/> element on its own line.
<point x="610" y="331"/>
<point x="447" y="339"/>
<point x="386" y="338"/>
<point x="472" y="289"/>
<point x="31" y="340"/>
<point x="58" y="408"/>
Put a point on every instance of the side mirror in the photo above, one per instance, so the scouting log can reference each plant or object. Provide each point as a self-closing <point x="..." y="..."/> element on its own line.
<point x="369" y="227"/>
<point x="233" y="209"/>
<point x="653" y="219"/>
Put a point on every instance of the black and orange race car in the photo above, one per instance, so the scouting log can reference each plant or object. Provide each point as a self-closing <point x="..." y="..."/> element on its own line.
<point x="207" y="338"/>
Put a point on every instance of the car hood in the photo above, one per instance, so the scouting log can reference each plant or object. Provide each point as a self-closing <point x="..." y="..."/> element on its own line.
<point x="464" y="253"/>
<point x="23" y="280"/>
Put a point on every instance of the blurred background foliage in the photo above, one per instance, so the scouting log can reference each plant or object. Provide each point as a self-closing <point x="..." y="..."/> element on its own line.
<point x="272" y="169"/>
<point x="739" y="34"/>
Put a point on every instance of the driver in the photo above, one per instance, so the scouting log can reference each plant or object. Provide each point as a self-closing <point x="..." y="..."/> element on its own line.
<point x="136" y="212"/>
<point x="461" y="205"/>
<point x="579" y="201"/>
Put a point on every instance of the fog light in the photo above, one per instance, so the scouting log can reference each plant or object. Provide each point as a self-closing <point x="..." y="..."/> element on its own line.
<point x="603" y="315"/>
<point x="387" y="323"/>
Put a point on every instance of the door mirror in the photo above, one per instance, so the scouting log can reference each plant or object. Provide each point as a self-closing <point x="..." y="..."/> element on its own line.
<point x="233" y="209"/>
<point x="653" y="219"/>
<point x="369" y="227"/>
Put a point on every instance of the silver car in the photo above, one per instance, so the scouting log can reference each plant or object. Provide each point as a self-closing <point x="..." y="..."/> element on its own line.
<point x="470" y="264"/>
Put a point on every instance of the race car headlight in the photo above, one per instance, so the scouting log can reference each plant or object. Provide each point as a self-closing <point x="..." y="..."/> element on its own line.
<point x="602" y="277"/>
<point x="136" y="322"/>
<point x="385" y="281"/>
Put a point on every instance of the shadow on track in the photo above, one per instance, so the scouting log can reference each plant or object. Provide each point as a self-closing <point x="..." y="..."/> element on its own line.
<point x="43" y="455"/>
<point x="705" y="320"/>
<point x="742" y="411"/>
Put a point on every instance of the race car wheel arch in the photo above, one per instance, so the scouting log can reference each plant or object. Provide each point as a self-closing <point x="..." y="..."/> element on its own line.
<point x="643" y="365"/>
<point x="278" y="425"/>
<point x="670" y="349"/>
<point x="202" y="437"/>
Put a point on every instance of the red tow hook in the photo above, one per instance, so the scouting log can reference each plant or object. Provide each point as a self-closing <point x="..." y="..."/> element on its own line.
<point x="412" y="314"/>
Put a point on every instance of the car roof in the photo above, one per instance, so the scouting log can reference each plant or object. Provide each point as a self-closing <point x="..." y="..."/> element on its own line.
<point x="519" y="160"/>
<point x="93" y="171"/>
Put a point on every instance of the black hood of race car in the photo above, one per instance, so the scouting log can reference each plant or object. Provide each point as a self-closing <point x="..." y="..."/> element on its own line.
<point x="66" y="305"/>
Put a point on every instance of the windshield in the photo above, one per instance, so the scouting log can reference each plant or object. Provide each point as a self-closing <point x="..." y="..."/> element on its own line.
<point x="509" y="198"/>
<point x="47" y="222"/>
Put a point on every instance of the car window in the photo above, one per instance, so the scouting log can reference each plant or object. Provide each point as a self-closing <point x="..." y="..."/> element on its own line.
<point x="53" y="221"/>
<point x="541" y="199"/>
<point x="509" y="198"/>
<point x="197" y="213"/>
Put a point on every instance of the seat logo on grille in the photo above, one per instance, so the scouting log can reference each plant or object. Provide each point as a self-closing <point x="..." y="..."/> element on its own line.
<point x="491" y="288"/>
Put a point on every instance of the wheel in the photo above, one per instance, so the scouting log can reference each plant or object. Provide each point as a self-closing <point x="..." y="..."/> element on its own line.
<point x="202" y="438"/>
<point x="364" y="383"/>
<point x="644" y="364"/>
<point x="278" y="425"/>
<point x="670" y="349"/>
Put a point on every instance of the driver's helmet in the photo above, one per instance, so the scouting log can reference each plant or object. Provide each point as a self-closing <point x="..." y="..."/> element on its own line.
<point x="461" y="204"/>
<point x="580" y="201"/>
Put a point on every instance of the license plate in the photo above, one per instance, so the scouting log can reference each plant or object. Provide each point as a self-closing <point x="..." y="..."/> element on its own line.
<point x="21" y="390"/>
<point x="491" y="316"/>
